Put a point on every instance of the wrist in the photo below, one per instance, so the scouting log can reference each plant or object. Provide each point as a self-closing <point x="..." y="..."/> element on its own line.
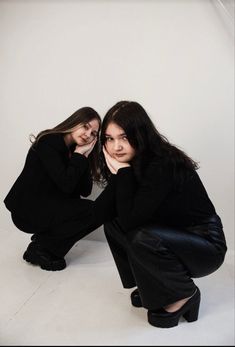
<point x="124" y="165"/>
<point x="79" y="151"/>
<point x="78" y="154"/>
<point x="124" y="168"/>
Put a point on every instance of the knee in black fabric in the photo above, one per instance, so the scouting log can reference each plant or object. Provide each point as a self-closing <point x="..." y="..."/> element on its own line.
<point x="146" y="238"/>
<point x="198" y="255"/>
<point x="112" y="228"/>
<point x="24" y="225"/>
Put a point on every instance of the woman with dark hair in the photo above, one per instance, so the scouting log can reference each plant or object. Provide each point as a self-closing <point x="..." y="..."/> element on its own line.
<point x="60" y="166"/>
<point x="165" y="229"/>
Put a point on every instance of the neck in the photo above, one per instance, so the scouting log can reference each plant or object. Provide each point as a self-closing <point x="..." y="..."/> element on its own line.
<point x="68" y="139"/>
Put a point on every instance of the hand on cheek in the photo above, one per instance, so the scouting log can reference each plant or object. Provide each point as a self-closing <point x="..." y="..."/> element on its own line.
<point x="85" y="149"/>
<point x="112" y="163"/>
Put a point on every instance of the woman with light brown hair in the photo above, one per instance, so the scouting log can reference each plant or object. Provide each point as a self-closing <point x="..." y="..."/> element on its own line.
<point x="60" y="167"/>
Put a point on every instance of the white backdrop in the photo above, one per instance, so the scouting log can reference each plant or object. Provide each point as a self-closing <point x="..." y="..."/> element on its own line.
<point x="174" y="57"/>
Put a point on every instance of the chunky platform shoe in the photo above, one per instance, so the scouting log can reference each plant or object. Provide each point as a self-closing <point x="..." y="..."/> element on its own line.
<point x="36" y="255"/>
<point x="163" y="319"/>
<point x="135" y="298"/>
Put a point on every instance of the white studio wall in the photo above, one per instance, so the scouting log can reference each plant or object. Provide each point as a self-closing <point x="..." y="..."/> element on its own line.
<point x="175" y="57"/>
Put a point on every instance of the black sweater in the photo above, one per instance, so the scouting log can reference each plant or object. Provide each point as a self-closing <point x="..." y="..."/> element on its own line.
<point x="155" y="198"/>
<point x="50" y="183"/>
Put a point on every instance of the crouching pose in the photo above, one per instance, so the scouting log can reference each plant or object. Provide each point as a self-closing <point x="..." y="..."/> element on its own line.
<point x="60" y="167"/>
<point x="166" y="230"/>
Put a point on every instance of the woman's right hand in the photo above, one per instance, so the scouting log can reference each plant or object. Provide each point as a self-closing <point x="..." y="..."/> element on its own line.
<point x="85" y="149"/>
<point x="113" y="164"/>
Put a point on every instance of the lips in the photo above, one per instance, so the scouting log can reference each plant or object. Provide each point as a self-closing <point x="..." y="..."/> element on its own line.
<point x="120" y="155"/>
<point x="84" y="140"/>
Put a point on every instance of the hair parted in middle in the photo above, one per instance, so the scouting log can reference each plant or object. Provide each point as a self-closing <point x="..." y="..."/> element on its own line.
<point x="82" y="116"/>
<point x="147" y="141"/>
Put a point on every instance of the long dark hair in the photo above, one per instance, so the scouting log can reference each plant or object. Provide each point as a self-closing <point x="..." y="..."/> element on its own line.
<point x="146" y="140"/>
<point x="81" y="116"/>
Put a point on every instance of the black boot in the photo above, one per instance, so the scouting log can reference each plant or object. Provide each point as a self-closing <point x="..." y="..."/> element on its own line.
<point x="36" y="255"/>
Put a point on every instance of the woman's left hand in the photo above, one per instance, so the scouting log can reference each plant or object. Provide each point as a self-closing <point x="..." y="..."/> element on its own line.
<point x="86" y="149"/>
<point x="113" y="164"/>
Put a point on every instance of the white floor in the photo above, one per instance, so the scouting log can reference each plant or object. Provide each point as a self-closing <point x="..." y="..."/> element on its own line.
<point x="85" y="304"/>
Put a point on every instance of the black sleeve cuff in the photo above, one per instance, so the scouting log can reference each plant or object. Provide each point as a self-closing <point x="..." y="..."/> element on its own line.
<point x="80" y="160"/>
<point x="124" y="171"/>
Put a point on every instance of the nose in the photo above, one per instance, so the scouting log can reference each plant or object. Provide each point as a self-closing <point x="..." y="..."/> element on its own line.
<point x="117" y="146"/>
<point x="88" y="133"/>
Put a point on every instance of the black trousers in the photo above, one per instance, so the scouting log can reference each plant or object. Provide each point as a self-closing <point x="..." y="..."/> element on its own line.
<point x="72" y="223"/>
<point x="161" y="260"/>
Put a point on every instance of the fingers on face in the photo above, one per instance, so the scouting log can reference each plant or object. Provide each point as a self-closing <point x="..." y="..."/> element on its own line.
<point x="104" y="151"/>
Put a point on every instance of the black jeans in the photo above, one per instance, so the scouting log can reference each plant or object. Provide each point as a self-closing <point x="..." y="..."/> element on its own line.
<point x="161" y="260"/>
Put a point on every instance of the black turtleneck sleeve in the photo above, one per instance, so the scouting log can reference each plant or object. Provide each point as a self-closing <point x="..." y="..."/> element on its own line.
<point x="66" y="173"/>
<point x="137" y="204"/>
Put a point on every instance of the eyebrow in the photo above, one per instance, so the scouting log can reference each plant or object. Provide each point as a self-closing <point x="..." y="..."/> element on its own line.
<point x="91" y="126"/>
<point x="118" y="135"/>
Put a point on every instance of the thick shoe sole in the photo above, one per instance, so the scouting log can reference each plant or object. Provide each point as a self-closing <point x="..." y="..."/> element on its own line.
<point x="35" y="259"/>
<point x="170" y="322"/>
<point x="136" y="302"/>
<point x="135" y="299"/>
<point x="189" y="311"/>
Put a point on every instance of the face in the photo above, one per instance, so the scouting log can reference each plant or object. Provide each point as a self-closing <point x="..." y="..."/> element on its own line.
<point x="85" y="133"/>
<point x="117" y="144"/>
